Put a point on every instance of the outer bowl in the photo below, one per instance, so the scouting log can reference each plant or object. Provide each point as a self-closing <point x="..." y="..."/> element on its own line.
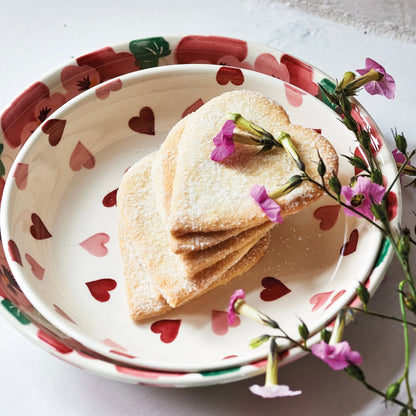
<point x="60" y="194"/>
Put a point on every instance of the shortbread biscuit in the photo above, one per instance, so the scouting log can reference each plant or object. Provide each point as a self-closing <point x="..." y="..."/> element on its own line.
<point x="163" y="174"/>
<point x="143" y="226"/>
<point x="208" y="196"/>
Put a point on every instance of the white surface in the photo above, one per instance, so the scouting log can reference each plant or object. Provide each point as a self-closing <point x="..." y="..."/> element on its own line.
<point x="36" y="37"/>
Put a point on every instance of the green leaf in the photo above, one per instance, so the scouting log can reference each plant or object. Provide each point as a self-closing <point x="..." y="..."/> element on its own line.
<point x="148" y="51"/>
<point x="15" y="311"/>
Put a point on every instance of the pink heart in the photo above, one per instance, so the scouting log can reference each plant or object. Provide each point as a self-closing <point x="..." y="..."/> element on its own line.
<point x="328" y="215"/>
<point x="20" y="174"/>
<point x="293" y="95"/>
<point x="219" y="322"/>
<point x="95" y="244"/>
<point x="37" y="270"/>
<point x="81" y="157"/>
<point x="335" y="298"/>
<point x="38" y="228"/>
<point x="167" y="328"/>
<point x="100" y="289"/>
<point x="274" y="289"/>
<point x="104" y="90"/>
<point x="319" y="299"/>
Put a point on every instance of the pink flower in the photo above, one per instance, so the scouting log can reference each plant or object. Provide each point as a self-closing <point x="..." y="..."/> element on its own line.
<point x="385" y="86"/>
<point x="268" y="205"/>
<point x="362" y="196"/>
<point x="224" y="143"/>
<point x="238" y="294"/>
<point x="271" y="391"/>
<point x="337" y="356"/>
<point x="399" y="157"/>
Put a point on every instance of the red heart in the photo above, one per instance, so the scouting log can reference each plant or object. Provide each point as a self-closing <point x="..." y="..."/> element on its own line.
<point x="391" y="203"/>
<point x="20" y="174"/>
<point x="319" y="299"/>
<point x="104" y="90"/>
<point x="53" y="342"/>
<point x="193" y="107"/>
<point x="54" y="128"/>
<point x="38" y="228"/>
<point x="228" y="74"/>
<point x="351" y="245"/>
<point x="328" y="216"/>
<point x="274" y="289"/>
<point x="167" y="328"/>
<point x="219" y="322"/>
<point x="110" y="200"/>
<point x="14" y="252"/>
<point x="37" y="270"/>
<point x="81" y="157"/>
<point x="95" y="244"/>
<point x="144" y="123"/>
<point x="100" y="288"/>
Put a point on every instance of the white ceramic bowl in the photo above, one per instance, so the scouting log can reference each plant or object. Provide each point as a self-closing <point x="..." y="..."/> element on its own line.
<point x="26" y="112"/>
<point x="59" y="223"/>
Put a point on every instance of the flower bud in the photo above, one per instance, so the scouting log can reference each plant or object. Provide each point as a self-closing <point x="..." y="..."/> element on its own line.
<point x="350" y="123"/>
<point x="379" y="212"/>
<point x="256" y="342"/>
<point x="348" y="77"/>
<point x="363" y="294"/>
<point x="364" y="139"/>
<point x="325" y="335"/>
<point x="303" y="331"/>
<point x="393" y="391"/>
<point x="335" y="184"/>
<point x="321" y="167"/>
<point x="403" y="412"/>
<point x="403" y="242"/>
<point x="355" y="372"/>
<point x="410" y="301"/>
<point x="357" y="162"/>
<point x="401" y="143"/>
<point x="377" y="176"/>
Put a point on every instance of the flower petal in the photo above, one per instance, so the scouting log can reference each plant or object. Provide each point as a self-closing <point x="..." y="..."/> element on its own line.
<point x="238" y="294"/>
<point x="268" y="205"/>
<point x="269" y="392"/>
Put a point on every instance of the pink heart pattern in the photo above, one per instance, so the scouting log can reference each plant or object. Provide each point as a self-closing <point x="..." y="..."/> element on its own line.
<point x="144" y="123"/>
<point x="103" y="91"/>
<point x="81" y="157"/>
<point x="110" y="200"/>
<point x="320" y="299"/>
<point x="219" y="322"/>
<point x="228" y="74"/>
<point x="20" y="175"/>
<point x="37" y="270"/>
<point x="95" y="244"/>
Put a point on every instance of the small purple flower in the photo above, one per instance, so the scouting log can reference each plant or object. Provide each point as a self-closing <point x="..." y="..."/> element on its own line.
<point x="268" y="205"/>
<point x="271" y="391"/>
<point x="224" y="143"/>
<point x="238" y="294"/>
<point x="337" y="356"/>
<point x="385" y="86"/>
<point x="362" y="196"/>
<point x="399" y="157"/>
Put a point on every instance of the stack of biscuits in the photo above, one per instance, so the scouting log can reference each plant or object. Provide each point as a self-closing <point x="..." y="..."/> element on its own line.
<point x="187" y="224"/>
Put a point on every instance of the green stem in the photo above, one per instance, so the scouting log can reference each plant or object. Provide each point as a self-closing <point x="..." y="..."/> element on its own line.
<point x="406" y="345"/>
<point x="401" y="170"/>
<point x="382" y="316"/>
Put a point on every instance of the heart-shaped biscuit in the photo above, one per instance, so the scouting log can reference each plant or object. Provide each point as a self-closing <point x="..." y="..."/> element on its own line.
<point x="209" y="196"/>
